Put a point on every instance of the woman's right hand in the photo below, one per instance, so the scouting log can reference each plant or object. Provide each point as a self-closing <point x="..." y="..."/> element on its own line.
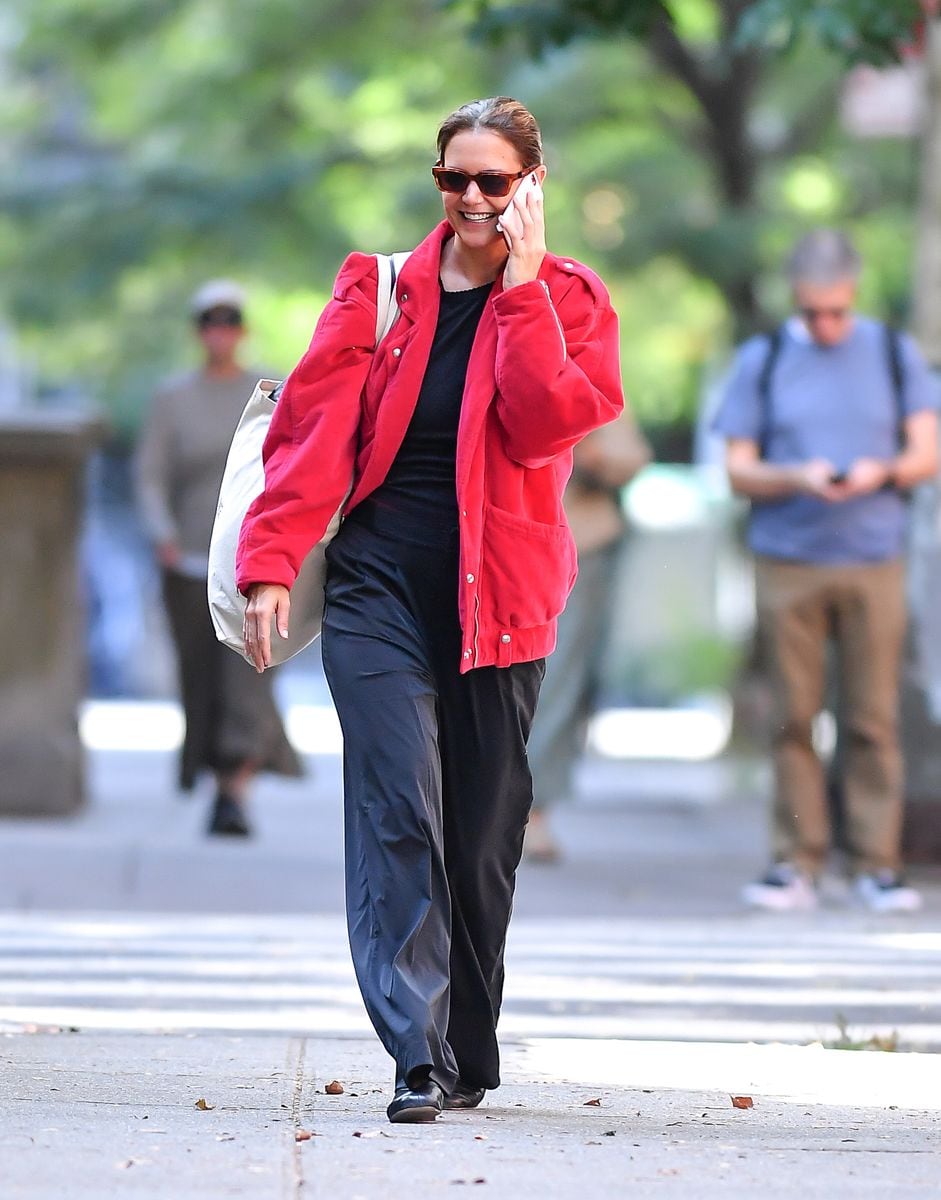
<point x="265" y="601"/>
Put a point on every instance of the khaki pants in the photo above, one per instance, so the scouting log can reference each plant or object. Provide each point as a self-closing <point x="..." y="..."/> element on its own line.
<point x="802" y="606"/>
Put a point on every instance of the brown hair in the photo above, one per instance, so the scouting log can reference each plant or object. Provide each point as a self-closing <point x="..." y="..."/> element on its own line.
<point x="502" y="115"/>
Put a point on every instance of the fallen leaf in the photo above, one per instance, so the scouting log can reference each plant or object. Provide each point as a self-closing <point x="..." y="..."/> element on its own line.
<point x="480" y="1137"/>
<point x="302" y="1135"/>
<point x="610" y="1133"/>
<point x="742" y="1102"/>
<point x="334" y="1089"/>
<point x="596" y="1103"/>
<point x="203" y="1106"/>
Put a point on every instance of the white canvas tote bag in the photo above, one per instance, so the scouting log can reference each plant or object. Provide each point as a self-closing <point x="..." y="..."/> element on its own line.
<point x="244" y="479"/>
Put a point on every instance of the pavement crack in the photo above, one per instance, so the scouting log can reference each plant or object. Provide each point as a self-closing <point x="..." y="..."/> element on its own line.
<point x="298" y="1051"/>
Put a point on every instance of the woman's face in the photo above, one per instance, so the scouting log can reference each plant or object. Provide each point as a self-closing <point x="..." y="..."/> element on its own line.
<point x="472" y="215"/>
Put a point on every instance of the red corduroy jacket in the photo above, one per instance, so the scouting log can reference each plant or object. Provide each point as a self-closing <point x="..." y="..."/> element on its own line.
<point x="543" y="372"/>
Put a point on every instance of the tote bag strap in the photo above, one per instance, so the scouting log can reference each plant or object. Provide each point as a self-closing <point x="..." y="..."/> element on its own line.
<point x="387" y="308"/>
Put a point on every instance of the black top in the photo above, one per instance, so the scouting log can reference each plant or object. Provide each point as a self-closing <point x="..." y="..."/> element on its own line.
<point x="419" y="493"/>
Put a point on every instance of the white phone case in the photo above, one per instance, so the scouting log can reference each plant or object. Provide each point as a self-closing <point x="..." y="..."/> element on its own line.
<point x="530" y="184"/>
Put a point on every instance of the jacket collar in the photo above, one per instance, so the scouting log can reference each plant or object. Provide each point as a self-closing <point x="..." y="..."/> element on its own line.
<point x="419" y="276"/>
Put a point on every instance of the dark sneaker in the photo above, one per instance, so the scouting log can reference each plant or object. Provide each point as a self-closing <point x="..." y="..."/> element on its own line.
<point x="783" y="889"/>
<point x="886" y="892"/>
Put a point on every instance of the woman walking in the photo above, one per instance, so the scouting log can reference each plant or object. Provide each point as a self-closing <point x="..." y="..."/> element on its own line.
<point x="444" y="582"/>
<point x="233" y="728"/>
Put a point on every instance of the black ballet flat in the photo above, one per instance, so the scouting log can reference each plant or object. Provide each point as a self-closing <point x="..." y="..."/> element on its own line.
<point x="462" y="1096"/>
<point x="416" y="1105"/>
<point x="228" y="818"/>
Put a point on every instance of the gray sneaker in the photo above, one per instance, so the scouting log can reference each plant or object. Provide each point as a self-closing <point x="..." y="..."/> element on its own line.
<point x="783" y="889"/>
<point x="886" y="892"/>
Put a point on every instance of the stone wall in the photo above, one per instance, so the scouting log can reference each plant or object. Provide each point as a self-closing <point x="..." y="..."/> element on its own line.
<point x="42" y="661"/>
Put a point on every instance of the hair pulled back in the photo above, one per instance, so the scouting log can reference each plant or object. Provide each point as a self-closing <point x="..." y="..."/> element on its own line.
<point x="499" y="114"/>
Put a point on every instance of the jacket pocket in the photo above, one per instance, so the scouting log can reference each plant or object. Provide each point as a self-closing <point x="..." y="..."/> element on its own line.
<point x="529" y="568"/>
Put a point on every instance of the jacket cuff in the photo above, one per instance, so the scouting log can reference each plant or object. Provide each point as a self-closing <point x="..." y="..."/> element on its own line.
<point x="521" y="296"/>
<point x="531" y="304"/>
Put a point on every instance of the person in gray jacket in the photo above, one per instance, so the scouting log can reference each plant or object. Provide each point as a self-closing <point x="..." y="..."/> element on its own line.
<point x="233" y="728"/>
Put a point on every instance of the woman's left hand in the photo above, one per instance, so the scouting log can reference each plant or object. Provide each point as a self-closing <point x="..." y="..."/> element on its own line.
<point x="526" y="229"/>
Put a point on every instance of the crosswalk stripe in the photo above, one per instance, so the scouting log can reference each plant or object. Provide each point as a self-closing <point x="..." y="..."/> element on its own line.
<point x="721" y="980"/>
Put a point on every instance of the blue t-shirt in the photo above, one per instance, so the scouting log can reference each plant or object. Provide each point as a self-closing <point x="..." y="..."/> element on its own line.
<point x="833" y="402"/>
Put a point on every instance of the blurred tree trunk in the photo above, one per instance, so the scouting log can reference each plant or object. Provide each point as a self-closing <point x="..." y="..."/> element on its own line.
<point x="724" y="87"/>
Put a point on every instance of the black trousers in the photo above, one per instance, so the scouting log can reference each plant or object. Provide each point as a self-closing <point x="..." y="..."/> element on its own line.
<point x="437" y="794"/>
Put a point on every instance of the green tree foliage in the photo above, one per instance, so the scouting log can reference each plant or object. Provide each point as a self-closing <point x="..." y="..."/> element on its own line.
<point x="151" y="144"/>
<point x="746" y="143"/>
<point x="859" y="31"/>
<point x="868" y="31"/>
<point x="159" y="142"/>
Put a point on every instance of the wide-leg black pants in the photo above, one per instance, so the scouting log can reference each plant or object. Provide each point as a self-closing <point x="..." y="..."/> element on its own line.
<point x="437" y="794"/>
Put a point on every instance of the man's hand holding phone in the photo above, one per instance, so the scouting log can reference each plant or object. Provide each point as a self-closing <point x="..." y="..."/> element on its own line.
<point x="524" y="232"/>
<point x="822" y="479"/>
<point x="864" y="476"/>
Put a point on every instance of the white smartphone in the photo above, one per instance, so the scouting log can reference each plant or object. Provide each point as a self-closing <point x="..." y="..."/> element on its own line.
<point x="529" y="186"/>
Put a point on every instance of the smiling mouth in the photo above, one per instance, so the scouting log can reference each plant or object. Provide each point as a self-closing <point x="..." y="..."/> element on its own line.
<point x="478" y="218"/>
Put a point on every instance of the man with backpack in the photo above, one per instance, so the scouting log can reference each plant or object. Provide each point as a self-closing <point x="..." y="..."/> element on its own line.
<point x="829" y="422"/>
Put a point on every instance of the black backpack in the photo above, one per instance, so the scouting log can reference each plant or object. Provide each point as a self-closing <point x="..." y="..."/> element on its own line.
<point x="893" y="359"/>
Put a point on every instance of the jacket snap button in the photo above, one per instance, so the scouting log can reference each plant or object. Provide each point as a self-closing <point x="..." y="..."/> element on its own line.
<point x="470" y="578"/>
<point x="467" y="654"/>
<point x="404" y="296"/>
<point x="396" y="352"/>
<point x="569" y="266"/>
<point x="506" y="638"/>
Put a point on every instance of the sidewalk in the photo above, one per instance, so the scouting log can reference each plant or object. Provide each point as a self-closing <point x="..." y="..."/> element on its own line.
<point x="634" y="979"/>
<point x="140" y="846"/>
<point x="653" y="839"/>
<point x="94" y="1116"/>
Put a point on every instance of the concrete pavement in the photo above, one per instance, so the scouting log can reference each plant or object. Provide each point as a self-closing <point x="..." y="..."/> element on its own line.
<point x="634" y="979"/>
<point x="92" y="1116"/>
<point x="644" y="840"/>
